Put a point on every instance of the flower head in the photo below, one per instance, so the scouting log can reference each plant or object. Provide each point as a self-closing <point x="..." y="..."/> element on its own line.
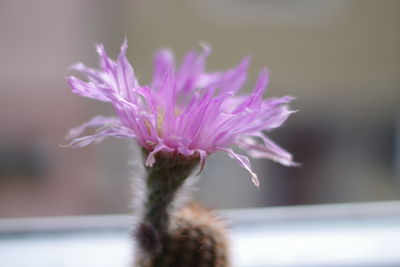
<point x="184" y="110"/>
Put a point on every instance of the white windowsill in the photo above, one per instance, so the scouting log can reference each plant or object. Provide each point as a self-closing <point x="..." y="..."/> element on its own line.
<point x="359" y="234"/>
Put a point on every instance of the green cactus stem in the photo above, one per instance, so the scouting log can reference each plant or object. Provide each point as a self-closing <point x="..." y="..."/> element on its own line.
<point x="167" y="237"/>
<point x="163" y="181"/>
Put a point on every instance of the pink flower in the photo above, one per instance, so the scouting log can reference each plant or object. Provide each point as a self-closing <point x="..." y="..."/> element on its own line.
<point x="184" y="110"/>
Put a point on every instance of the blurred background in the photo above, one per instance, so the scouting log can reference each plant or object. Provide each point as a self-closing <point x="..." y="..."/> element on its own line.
<point x="341" y="59"/>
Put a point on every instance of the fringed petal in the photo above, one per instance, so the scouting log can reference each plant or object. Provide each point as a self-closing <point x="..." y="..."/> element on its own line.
<point x="233" y="79"/>
<point x="269" y="150"/>
<point x="98" y="121"/>
<point x="87" y="89"/>
<point x="151" y="157"/>
<point x="203" y="156"/>
<point x="125" y="80"/>
<point x="192" y="70"/>
<point x="107" y="64"/>
<point x="267" y="120"/>
<point x="255" y="98"/>
<point x="278" y="118"/>
<point x="163" y="64"/>
<point x="94" y="75"/>
<point x="244" y="162"/>
<point x="118" y="132"/>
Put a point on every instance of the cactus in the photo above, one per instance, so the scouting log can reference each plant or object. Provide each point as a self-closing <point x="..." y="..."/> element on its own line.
<point x="166" y="236"/>
<point x="183" y="116"/>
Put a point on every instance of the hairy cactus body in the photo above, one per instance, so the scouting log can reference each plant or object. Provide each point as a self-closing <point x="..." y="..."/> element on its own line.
<point x="197" y="238"/>
<point x="192" y="236"/>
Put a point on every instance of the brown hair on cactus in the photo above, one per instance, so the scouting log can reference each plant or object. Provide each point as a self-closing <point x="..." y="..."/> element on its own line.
<point x="196" y="238"/>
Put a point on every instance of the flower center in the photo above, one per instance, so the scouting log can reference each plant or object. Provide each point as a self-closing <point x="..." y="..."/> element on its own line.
<point x="160" y="119"/>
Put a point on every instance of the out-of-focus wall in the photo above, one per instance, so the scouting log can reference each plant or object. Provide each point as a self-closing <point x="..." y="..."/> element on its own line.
<point x="340" y="58"/>
<point x="39" y="41"/>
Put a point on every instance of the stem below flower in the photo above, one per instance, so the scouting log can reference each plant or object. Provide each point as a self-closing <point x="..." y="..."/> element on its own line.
<point x="164" y="179"/>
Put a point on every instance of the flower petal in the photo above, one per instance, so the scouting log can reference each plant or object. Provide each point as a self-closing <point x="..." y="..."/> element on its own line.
<point x="203" y="157"/>
<point x="118" y="132"/>
<point x="191" y="70"/>
<point x="94" y="122"/>
<point x="244" y="162"/>
<point x="87" y="89"/>
<point x="125" y="76"/>
<point x="231" y="80"/>
<point x="151" y="157"/>
<point x="163" y="64"/>
<point x="95" y="76"/>
<point x="107" y="64"/>
<point x="269" y="150"/>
